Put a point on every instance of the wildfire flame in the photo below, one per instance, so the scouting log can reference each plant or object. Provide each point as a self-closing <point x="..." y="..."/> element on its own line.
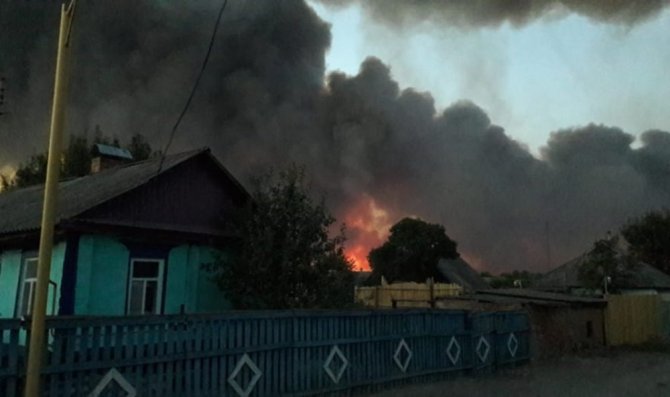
<point x="368" y="225"/>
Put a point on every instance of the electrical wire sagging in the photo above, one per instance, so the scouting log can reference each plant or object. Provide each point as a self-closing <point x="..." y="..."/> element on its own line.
<point x="195" y="86"/>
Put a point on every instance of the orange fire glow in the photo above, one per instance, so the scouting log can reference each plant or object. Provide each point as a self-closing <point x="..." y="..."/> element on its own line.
<point x="368" y="226"/>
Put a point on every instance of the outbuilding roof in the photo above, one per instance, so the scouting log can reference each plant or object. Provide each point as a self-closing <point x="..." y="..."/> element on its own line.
<point x="533" y="296"/>
<point x="522" y="297"/>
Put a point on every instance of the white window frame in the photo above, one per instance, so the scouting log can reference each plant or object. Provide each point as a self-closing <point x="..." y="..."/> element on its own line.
<point x="24" y="281"/>
<point x="159" y="285"/>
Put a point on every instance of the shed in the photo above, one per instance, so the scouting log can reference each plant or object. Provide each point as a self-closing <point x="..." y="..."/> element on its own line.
<point x="560" y="323"/>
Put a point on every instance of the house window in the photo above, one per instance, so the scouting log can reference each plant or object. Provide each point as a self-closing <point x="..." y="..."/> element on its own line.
<point x="145" y="287"/>
<point x="27" y="287"/>
<point x="589" y="329"/>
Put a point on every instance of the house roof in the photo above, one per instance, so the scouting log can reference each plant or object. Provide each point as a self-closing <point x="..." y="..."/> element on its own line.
<point x="458" y="271"/>
<point x="566" y="276"/>
<point x="518" y="296"/>
<point x="21" y="209"/>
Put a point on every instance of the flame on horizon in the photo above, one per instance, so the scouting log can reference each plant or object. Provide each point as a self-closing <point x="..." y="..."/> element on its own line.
<point x="368" y="226"/>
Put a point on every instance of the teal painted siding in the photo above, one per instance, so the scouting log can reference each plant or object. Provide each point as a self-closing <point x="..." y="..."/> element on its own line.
<point x="210" y="297"/>
<point x="102" y="279"/>
<point x="188" y="283"/>
<point x="178" y="282"/>
<point x="57" y="258"/>
<point x="10" y="271"/>
<point x="10" y="274"/>
<point x="102" y="274"/>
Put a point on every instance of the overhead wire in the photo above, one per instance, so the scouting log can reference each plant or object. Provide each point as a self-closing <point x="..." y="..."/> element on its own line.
<point x="195" y="86"/>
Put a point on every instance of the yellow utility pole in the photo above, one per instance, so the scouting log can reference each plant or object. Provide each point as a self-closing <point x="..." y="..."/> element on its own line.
<point x="37" y="343"/>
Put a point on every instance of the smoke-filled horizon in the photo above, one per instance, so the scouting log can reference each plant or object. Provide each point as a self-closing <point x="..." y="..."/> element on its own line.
<point x="481" y="13"/>
<point x="377" y="151"/>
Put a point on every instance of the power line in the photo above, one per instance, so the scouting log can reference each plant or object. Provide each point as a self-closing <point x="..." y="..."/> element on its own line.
<point x="195" y="86"/>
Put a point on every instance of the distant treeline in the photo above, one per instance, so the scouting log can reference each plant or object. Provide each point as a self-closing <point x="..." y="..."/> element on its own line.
<point x="75" y="161"/>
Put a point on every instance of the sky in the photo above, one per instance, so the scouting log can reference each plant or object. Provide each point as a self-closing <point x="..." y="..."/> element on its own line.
<point x="550" y="74"/>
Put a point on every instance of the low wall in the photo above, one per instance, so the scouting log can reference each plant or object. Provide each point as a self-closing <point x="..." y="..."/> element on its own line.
<point x="405" y="294"/>
<point x="265" y="353"/>
<point x="563" y="330"/>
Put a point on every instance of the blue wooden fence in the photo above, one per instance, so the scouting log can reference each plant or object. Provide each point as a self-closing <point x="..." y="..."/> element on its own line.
<point x="262" y="353"/>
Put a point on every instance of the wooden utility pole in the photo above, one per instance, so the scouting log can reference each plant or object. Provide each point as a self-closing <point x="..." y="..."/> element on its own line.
<point x="37" y="342"/>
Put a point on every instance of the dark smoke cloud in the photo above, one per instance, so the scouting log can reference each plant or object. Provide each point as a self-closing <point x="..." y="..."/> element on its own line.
<point x="265" y="101"/>
<point x="475" y="13"/>
<point x="135" y="62"/>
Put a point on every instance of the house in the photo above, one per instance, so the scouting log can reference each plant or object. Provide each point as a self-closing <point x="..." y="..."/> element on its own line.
<point x="130" y="239"/>
<point x="560" y="323"/>
<point x="643" y="279"/>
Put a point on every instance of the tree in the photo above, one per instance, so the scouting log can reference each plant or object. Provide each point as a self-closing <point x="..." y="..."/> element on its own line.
<point x="75" y="162"/>
<point x="285" y="257"/>
<point x="605" y="263"/>
<point x="139" y="147"/>
<point x="511" y="279"/>
<point x="77" y="157"/>
<point x="5" y="183"/>
<point x="412" y="251"/>
<point x="649" y="239"/>
<point x="32" y="172"/>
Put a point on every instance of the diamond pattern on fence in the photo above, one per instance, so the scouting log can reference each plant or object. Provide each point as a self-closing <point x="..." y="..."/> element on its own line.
<point x="453" y="350"/>
<point x="512" y="344"/>
<point x="483" y="349"/>
<point x="106" y="381"/>
<point x="335" y="353"/>
<point x="257" y="373"/>
<point x="402" y="348"/>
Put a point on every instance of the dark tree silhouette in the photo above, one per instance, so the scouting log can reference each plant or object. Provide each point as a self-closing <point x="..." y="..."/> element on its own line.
<point x="286" y="257"/>
<point x="412" y="251"/>
<point x="649" y="239"/>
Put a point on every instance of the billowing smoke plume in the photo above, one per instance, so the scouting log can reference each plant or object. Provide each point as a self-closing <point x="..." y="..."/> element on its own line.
<point x="475" y="13"/>
<point x="366" y="142"/>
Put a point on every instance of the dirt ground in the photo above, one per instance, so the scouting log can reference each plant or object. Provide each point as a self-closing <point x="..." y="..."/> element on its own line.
<point x="611" y="374"/>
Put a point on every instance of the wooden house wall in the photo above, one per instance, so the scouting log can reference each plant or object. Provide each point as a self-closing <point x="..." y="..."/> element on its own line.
<point x="103" y="270"/>
<point x="10" y="275"/>
<point x="194" y="196"/>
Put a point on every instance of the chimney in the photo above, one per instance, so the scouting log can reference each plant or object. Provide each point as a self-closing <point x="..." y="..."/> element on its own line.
<point x="105" y="157"/>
